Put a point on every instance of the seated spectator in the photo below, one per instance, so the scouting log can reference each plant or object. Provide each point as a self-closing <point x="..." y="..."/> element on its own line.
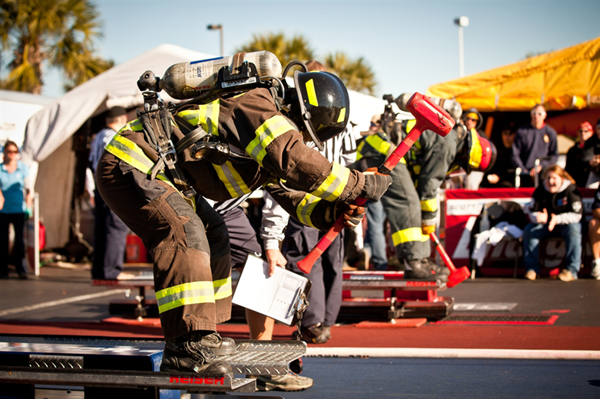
<point x="581" y="155"/>
<point x="555" y="211"/>
<point x="502" y="174"/>
<point x="594" y="235"/>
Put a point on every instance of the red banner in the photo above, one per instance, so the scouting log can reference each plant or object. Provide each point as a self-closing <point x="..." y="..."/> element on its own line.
<point x="462" y="208"/>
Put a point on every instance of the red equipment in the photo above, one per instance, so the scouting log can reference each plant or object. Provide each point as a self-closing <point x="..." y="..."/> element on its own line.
<point x="429" y="116"/>
<point x="456" y="276"/>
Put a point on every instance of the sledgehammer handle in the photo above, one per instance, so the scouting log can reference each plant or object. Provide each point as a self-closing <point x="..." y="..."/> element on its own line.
<point x="443" y="254"/>
<point x="307" y="263"/>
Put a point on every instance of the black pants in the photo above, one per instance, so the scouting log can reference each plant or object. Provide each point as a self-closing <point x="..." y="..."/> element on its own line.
<point x="110" y="236"/>
<point x="18" y="252"/>
<point x="325" y="297"/>
<point x="242" y="237"/>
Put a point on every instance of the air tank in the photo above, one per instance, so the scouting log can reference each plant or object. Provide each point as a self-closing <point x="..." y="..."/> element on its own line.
<point x="192" y="79"/>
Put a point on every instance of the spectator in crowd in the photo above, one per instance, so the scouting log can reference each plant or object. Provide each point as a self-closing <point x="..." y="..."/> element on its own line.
<point x="15" y="207"/>
<point x="501" y="175"/>
<point x="534" y="141"/>
<point x="594" y="235"/>
<point x="555" y="211"/>
<point x="110" y="233"/>
<point x="473" y="120"/>
<point x="581" y="156"/>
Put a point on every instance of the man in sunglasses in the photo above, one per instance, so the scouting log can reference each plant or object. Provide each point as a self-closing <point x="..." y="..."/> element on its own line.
<point x="534" y="141"/>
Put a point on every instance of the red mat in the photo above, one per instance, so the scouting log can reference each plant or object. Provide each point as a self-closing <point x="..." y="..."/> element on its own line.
<point x="426" y="336"/>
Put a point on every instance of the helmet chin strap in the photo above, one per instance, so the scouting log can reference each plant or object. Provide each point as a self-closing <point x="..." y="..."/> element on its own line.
<point x="310" y="129"/>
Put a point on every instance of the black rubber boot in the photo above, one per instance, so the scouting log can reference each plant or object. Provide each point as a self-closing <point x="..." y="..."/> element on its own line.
<point x="416" y="270"/>
<point x="315" y="334"/>
<point x="219" y="345"/>
<point x="442" y="272"/>
<point x="191" y="354"/>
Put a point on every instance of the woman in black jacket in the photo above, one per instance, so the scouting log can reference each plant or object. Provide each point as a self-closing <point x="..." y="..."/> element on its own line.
<point x="555" y="211"/>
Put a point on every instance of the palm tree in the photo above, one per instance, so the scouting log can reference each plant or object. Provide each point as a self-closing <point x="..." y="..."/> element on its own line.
<point x="286" y="50"/>
<point x="355" y="74"/>
<point x="60" y="32"/>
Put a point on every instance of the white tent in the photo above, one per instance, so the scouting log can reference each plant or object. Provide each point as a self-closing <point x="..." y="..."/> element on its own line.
<point x="48" y="139"/>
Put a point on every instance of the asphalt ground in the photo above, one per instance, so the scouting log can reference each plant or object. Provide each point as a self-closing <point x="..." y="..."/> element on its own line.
<point x="63" y="297"/>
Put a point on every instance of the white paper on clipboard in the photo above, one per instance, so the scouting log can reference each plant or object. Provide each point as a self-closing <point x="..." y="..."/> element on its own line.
<point x="274" y="296"/>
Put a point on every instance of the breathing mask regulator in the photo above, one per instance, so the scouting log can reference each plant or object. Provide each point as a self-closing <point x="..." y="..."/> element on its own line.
<point x="388" y="121"/>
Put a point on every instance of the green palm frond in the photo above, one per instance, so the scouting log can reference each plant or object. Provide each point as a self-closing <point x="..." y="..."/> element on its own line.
<point x="285" y="50"/>
<point x="61" y="32"/>
<point x="355" y="74"/>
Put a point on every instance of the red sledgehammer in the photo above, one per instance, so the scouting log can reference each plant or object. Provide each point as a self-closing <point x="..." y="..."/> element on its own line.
<point x="456" y="276"/>
<point x="429" y="116"/>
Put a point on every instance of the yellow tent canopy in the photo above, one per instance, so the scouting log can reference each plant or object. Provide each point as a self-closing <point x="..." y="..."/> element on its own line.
<point x="561" y="80"/>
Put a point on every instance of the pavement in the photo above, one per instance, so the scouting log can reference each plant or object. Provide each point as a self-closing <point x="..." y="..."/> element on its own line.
<point x="505" y="338"/>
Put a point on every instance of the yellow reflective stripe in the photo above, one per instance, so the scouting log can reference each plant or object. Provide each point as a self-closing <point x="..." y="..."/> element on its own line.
<point x="134" y="126"/>
<point x="411" y="234"/>
<point x="410" y="124"/>
<point x="129" y="152"/>
<point x="334" y="184"/>
<point x="207" y="115"/>
<point x="185" y="294"/>
<point x="231" y="179"/>
<point x="311" y="93"/>
<point x="429" y="205"/>
<point x="265" y="134"/>
<point x="342" y="115"/>
<point x="305" y="208"/>
<point x="476" y="151"/>
<point x="416" y="169"/>
<point x="379" y="144"/>
<point x="359" y="150"/>
<point x="222" y="288"/>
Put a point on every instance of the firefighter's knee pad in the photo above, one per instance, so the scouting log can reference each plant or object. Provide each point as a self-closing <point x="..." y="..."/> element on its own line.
<point x="194" y="228"/>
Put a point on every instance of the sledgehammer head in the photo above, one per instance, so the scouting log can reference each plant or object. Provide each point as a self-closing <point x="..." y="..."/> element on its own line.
<point x="458" y="276"/>
<point x="429" y="115"/>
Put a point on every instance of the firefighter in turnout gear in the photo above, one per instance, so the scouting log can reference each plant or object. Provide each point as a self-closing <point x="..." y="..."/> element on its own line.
<point x="411" y="201"/>
<point x="157" y="169"/>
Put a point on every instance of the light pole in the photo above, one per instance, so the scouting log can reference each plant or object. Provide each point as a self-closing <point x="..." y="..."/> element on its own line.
<point x="461" y="21"/>
<point x="220" y="29"/>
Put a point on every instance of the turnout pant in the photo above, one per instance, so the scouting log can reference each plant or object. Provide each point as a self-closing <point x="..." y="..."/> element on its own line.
<point x="325" y="297"/>
<point x="403" y="209"/>
<point x="192" y="278"/>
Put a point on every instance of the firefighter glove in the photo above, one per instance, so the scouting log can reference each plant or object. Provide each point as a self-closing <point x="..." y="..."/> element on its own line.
<point x="352" y="214"/>
<point x="427" y="229"/>
<point x="376" y="184"/>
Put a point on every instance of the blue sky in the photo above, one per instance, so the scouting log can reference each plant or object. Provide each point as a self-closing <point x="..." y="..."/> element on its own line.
<point x="410" y="45"/>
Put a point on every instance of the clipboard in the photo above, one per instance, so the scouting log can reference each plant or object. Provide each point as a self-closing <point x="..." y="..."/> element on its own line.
<point x="278" y="296"/>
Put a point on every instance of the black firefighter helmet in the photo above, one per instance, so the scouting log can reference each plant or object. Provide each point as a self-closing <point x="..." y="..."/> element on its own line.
<point x="322" y="105"/>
